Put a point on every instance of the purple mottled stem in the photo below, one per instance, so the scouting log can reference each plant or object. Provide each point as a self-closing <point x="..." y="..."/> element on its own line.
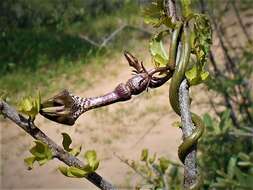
<point x="65" y="108"/>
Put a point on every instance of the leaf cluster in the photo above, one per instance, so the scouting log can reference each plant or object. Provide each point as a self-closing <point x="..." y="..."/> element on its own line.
<point x="92" y="164"/>
<point x="90" y="156"/>
<point x="30" y="106"/>
<point x="201" y="40"/>
<point x="41" y="154"/>
<point x="226" y="154"/>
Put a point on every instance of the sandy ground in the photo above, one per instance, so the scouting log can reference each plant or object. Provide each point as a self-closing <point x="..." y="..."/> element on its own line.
<point x="125" y="128"/>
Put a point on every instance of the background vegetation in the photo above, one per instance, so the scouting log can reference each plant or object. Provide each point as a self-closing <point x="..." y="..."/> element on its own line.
<point x="41" y="40"/>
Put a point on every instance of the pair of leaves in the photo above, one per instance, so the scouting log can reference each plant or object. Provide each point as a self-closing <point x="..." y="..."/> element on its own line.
<point x="66" y="142"/>
<point x="41" y="153"/>
<point x="245" y="161"/>
<point x="91" y="166"/>
<point x="30" y="106"/>
<point x="90" y="156"/>
<point x="145" y="157"/>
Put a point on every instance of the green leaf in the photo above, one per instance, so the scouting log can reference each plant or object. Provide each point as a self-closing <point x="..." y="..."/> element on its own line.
<point x="77" y="172"/>
<point x="76" y="151"/>
<point x="155" y="14"/>
<point x="225" y="122"/>
<point x="91" y="157"/>
<point x="243" y="178"/>
<point x="88" y="169"/>
<point x="161" y="34"/>
<point x="30" y="106"/>
<point x="72" y="171"/>
<point x="26" y="105"/>
<point x="158" y="53"/>
<point x="144" y="155"/>
<point x="66" y="142"/>
<point x="201" y="40"/>
<point x="39" y="150"/>
<point x="243" y="156"/>
<point x="42" y="152"/>
<point x="196" y="76"/>
<point x="63" y="170"/>
<point x="48" y="153"/>
<point x="231" y="167"/>
<point x="208" y="120"/>
<point x="173" y="171"/>
<point x="164" y="164"/>
<point x="42" y="161"/>
<point x="29" y="162"/>
<point x="177" y="124"/>
<point x="151" y="160"/>
<point x="244" y="164"/>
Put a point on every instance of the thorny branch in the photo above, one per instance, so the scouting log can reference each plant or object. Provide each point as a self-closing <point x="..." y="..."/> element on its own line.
<point x="58" y="152"/>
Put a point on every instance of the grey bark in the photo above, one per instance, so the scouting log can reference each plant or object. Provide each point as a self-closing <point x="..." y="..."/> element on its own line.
<point x="190" y="165"/>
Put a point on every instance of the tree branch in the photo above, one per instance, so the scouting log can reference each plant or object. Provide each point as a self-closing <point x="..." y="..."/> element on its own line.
<point x="58" y="152"/>
<point x="190" y="165"/>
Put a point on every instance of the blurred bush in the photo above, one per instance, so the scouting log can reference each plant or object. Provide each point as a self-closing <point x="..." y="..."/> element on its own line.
<point x="55" y="13"/>
<point x="35" y="33"/>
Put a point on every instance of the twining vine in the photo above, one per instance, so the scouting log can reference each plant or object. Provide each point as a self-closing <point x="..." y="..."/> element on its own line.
<point x="185" y="58"/>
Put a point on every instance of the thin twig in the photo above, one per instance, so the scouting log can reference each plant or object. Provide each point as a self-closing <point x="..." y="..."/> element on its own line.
<point x="58" y="152"/>
<point x="112" y="35"/>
